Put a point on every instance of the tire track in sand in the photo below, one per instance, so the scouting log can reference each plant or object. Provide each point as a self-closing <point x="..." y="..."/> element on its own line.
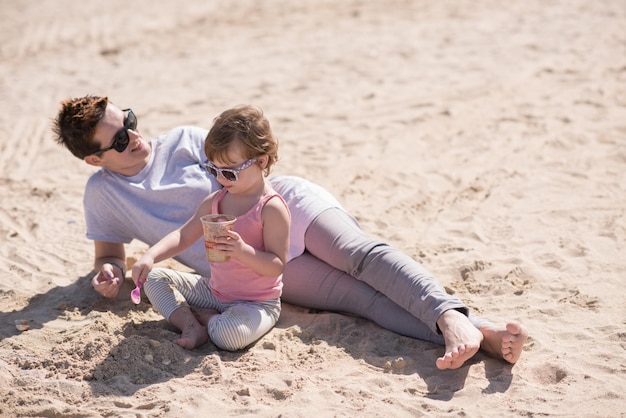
<point x="30" y="240"/>
<point x="92" y="24"/>
<point x="21" y="152"/>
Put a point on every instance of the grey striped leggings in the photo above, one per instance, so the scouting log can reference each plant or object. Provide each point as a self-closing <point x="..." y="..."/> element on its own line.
<point x="240" y="323"/>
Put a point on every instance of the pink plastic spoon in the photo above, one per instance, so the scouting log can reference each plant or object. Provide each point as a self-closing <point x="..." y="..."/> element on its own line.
<point x="135" y="295"/>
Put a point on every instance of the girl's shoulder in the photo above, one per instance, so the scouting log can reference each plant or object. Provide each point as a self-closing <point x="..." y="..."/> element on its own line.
<point x="207" y="204"/>
<point x="274" y="203"/>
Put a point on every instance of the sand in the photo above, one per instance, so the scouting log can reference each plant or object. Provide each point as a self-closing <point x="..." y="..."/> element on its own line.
<point x="486" y="139"/>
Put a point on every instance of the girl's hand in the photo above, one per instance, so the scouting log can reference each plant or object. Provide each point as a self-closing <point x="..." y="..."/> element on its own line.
<point x="142" y="268"/>
<point x="232" y="244"/>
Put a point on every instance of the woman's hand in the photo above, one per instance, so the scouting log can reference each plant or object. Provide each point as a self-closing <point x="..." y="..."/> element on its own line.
<point x="108" y="281"/>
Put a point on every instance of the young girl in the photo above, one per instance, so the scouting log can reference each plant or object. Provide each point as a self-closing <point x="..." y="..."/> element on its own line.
<point x="240" y="302"/>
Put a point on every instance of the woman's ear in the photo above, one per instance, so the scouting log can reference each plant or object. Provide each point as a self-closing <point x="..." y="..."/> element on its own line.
<point x="93" y="160"/>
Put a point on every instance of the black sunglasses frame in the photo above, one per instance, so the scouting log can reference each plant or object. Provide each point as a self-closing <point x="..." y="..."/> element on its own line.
<point x="121" y="138"/>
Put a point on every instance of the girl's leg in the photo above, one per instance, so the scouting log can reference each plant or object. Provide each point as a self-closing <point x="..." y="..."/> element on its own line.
<point x="312" y="283"/>
<point x="336" y="238"/>
<point x="169" y="289"/>
<point x="171" y="292"/>
<point x="243" y="323"/>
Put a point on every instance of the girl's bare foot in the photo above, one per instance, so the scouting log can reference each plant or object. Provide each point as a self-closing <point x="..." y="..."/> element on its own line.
<point x="204" y="314"/>
<point x="504" y="342"/>
<point x="194" y="334"/>
<point x="192" y="337"/>
<point x="462" y="339"/>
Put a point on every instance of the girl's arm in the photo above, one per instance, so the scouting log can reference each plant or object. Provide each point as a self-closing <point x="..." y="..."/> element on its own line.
<point x="173" y="243"/>
<point x="272" y="261"/>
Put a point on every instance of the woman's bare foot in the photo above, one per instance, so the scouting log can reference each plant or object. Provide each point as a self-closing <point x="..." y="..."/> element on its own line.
<point x="194" y="334"/>
<point x="462" y="339"/>
<point x="504" y="342"/>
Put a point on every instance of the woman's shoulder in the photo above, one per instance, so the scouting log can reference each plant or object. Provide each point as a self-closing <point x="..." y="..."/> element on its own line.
<point x="188" y="138"/>
<point x="188" y="133"/>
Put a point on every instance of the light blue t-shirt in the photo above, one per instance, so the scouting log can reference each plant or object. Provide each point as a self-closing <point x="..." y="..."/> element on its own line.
<point x="168" y="191"/>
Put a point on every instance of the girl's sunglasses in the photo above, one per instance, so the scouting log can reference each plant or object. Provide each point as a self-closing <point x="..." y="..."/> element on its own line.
<point x="121" y="138"/>
<point x="230" y="174"/>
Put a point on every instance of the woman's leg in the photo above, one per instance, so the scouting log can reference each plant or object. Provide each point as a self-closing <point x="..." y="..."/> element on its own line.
<point x="312" y="283"/>
<point x="336" y="238"/>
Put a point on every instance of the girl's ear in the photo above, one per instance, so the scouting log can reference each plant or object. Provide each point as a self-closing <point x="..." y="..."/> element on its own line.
<point x="263" y="159"/>
<point x="93" y="160"/>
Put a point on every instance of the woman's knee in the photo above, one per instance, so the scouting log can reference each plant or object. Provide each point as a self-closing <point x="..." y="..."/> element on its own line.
<point x="337" y="239"/>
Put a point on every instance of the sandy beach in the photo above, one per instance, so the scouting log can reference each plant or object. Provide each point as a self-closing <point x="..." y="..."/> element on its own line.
<point x="485" y="139"/>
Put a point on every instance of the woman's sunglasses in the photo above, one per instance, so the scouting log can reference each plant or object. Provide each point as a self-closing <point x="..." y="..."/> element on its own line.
<point x="230" y="174"/>
<point x="121" y="138"/>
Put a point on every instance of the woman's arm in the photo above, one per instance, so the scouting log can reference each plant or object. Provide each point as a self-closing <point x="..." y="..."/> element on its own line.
<point x="110" y="265"/>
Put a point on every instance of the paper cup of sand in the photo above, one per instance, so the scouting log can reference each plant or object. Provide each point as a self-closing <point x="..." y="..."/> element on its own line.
<point x="215" y="226"/>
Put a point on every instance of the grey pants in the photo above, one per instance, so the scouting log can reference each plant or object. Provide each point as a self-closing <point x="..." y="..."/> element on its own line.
<point x="345" y="270"/>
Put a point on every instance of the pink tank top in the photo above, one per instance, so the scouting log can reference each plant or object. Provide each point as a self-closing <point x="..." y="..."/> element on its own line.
<point x="232" y="281"/>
